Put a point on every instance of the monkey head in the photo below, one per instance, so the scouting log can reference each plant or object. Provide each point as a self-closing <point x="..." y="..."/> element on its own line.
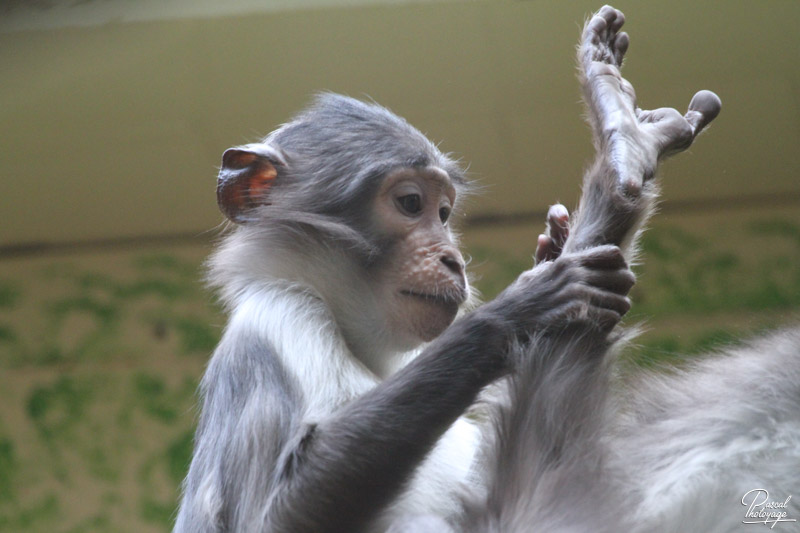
<point x="350" y="199"/>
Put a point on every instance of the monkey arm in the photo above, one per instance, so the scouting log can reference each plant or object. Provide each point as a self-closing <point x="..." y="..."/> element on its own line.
<point x="261" y="463"/>
<point x="349" y="466"/>
<point x="250" y="408"/>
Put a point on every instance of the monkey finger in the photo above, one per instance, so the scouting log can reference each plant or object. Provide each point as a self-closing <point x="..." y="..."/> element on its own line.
<point x="545" y="249"/>
<point x="609" y="301"/>
<point x="594" y="312"/>
<point x="704" y="107"/>
<point x="605" y="257"/>
<point x="617" y="281"/>
<point x="606" y="320"/>
<point x="558" y="225"/>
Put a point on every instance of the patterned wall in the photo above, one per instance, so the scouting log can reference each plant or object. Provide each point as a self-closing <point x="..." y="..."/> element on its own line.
<point x="101" y="352"/>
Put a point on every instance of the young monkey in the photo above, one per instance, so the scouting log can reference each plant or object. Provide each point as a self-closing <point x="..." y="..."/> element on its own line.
<point x="335" y="399"/>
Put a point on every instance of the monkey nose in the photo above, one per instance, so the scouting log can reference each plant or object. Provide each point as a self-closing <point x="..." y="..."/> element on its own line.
<point x="453" y="263"/>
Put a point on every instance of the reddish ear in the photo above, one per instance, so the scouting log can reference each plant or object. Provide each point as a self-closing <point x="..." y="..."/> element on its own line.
<point x="246" y="179"/>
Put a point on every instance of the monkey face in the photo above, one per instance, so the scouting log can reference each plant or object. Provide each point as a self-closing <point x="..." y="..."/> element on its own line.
<point x="423" y="281"/>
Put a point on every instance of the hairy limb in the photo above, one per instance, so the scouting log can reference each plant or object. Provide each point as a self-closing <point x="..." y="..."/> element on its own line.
<point x="549" y="453"/>
<point x="547" y="467"/>
<point x="618" y="191"/>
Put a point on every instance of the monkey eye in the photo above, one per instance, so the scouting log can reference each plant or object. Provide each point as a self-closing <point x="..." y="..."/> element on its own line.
<point x="410" y="203"/>
<point x="444" y="214"/>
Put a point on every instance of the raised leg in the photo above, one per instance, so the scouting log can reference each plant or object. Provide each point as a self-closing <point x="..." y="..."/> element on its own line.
<point x="551" y="464"/>
<point x="618" y="190"/>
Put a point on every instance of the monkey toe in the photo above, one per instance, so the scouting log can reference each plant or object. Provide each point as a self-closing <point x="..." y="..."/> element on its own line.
<point x="595" y="30"/>
<point x="619" y="20"/>
<point x="558" y="216"/>
<point x="704" y="107"/>
<point x="621" y="43"/>
<point x="601" y="40"/>
<point x="611" y="17"/>
<point x="673" y="132"/>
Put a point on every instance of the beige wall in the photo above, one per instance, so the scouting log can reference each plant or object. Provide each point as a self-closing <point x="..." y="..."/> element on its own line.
<point x="115" y="129"/>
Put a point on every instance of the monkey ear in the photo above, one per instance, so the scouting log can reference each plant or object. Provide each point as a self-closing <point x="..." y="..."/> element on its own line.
<point x="246" y="178"/>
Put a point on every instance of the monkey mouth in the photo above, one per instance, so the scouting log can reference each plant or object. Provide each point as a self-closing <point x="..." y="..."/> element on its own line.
<point x="454" y="298"/>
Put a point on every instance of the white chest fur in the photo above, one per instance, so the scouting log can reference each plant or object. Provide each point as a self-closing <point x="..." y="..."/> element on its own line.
<point x="299" y="327"/>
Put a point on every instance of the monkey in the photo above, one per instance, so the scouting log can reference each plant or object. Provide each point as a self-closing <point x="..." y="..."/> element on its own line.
<point x="336" y="399"/>
<point x="342" y="262"/>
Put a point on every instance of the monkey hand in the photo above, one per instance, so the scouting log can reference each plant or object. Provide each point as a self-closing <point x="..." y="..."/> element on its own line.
<point x="587" y="287"/>
<point x="633" y="140"/>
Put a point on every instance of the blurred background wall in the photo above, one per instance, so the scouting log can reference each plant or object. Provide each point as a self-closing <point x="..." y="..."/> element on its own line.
<point x="114" y="114"/>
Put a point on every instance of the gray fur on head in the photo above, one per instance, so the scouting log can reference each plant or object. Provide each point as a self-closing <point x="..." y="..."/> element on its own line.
<point x="338" y="137"/>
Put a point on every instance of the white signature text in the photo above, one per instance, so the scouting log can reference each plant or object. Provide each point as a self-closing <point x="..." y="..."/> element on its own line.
<point x="762" y="510"/>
